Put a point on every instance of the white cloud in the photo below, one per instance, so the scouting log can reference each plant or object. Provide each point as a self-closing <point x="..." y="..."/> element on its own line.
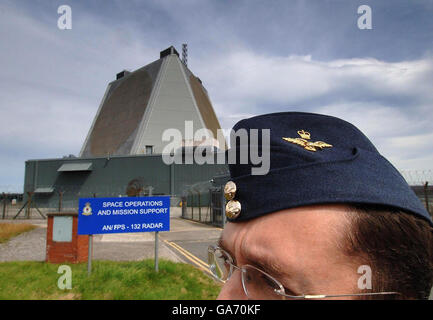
<point x="392" y="103"/>
<point x="52" y="83"/>
<point x="248" y="78"/>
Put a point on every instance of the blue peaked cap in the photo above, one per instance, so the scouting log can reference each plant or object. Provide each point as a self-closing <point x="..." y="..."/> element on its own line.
<point x="348" y="170"/>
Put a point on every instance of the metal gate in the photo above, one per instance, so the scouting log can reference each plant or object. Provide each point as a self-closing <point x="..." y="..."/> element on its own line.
<point x="205" y="207"/>
<point x="217" y="207"/>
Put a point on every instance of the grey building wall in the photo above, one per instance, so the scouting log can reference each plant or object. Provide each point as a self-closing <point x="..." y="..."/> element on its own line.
<point x="109" y="177"/>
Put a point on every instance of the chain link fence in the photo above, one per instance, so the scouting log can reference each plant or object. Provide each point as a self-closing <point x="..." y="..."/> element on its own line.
<point x="202" y="202"/>
<point x="425" y="194"/>
<point x="10" y="203"/>
<point x="36" y="205"/>
<point x="421" y="182"/>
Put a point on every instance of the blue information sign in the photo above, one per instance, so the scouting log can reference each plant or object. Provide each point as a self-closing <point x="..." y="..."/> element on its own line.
<point x="121" y="215"/>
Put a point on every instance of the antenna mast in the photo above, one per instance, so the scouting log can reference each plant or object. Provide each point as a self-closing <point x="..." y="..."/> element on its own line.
<point x="185" y="54"/>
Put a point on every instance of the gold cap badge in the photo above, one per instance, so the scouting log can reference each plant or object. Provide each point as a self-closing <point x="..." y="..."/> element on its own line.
<point x="308" y="145"/>
<point x="233" y="207"/>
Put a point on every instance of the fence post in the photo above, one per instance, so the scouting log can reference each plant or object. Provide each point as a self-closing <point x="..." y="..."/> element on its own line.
<point x="211" y="206"/>
<point x="4" y="206"/>
<point x="29" y="202"/>
<point x="426" y="196"/>
<point x="183" y="202"/>
<point x="199" y="206"/>
<point x="192" y="206"/>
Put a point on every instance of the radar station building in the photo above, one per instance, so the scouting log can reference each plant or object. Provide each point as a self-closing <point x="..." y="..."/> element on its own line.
<point x="138" y="106"/>
<point x="122" y="153"/>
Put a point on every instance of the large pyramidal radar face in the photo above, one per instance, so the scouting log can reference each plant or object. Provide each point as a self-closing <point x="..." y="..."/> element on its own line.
<point x="138" y="106"/>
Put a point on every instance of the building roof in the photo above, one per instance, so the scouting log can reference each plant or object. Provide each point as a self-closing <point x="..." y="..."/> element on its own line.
<point x="138" y="106"/>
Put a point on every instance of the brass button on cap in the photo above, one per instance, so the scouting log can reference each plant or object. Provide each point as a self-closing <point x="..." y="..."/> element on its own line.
<point x="233" y="209"/>
<point x="230" y="190"/>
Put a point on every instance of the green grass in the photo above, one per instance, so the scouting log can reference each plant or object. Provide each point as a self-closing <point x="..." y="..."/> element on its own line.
<point x="10" y="230"/>
<point x="109" y="280"/>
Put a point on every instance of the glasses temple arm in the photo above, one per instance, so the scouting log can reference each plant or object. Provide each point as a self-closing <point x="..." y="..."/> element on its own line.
<point x="322" y="296"/>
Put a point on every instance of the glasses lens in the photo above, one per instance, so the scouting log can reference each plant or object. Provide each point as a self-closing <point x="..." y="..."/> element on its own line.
<point x="258" y="285"/>
<point x="219" y="263"/>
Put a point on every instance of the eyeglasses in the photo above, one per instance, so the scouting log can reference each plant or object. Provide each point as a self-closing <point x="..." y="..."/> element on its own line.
<point x="257" y="284"/>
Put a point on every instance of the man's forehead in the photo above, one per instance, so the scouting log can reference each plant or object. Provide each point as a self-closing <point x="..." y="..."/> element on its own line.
<point x="302" y="227"/>
<point x="248" y="247"/>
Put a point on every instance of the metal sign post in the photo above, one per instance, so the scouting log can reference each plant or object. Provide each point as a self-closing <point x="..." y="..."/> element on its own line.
<point x="156" y="251"/>
<point x="89" y="256"/>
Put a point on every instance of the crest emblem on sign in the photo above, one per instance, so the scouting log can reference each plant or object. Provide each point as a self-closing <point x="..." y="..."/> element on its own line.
<point x="87" y="210"/>
<point x="308" y="145"/>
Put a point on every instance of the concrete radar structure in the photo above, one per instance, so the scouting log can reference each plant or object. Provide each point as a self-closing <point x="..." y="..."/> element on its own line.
<point x="138" y="106"/>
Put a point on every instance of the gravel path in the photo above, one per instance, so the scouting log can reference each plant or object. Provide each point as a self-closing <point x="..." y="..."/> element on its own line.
<point x="28" y="246"/>
<point x="31" y="245"/>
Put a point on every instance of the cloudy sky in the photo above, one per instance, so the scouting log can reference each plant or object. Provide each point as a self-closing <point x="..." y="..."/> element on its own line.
<point x="254" y="57"/>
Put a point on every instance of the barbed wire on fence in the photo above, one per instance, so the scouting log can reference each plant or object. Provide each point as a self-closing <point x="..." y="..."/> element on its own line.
<point x="418" y="177"/>
<point x="70" y="192"/>
<point x="9" y="188"/>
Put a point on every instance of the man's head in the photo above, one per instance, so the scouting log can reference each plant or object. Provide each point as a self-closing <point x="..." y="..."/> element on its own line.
<point x="319" y="250"/>
<point x="331" y="214"/>
<point x="299" y="247"/>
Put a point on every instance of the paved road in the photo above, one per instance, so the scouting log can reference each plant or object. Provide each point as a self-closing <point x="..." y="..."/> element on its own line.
<point x="190" y="240"/>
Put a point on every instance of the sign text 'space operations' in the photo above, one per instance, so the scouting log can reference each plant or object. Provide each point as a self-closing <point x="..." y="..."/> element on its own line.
<point x="119" y="215"/>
